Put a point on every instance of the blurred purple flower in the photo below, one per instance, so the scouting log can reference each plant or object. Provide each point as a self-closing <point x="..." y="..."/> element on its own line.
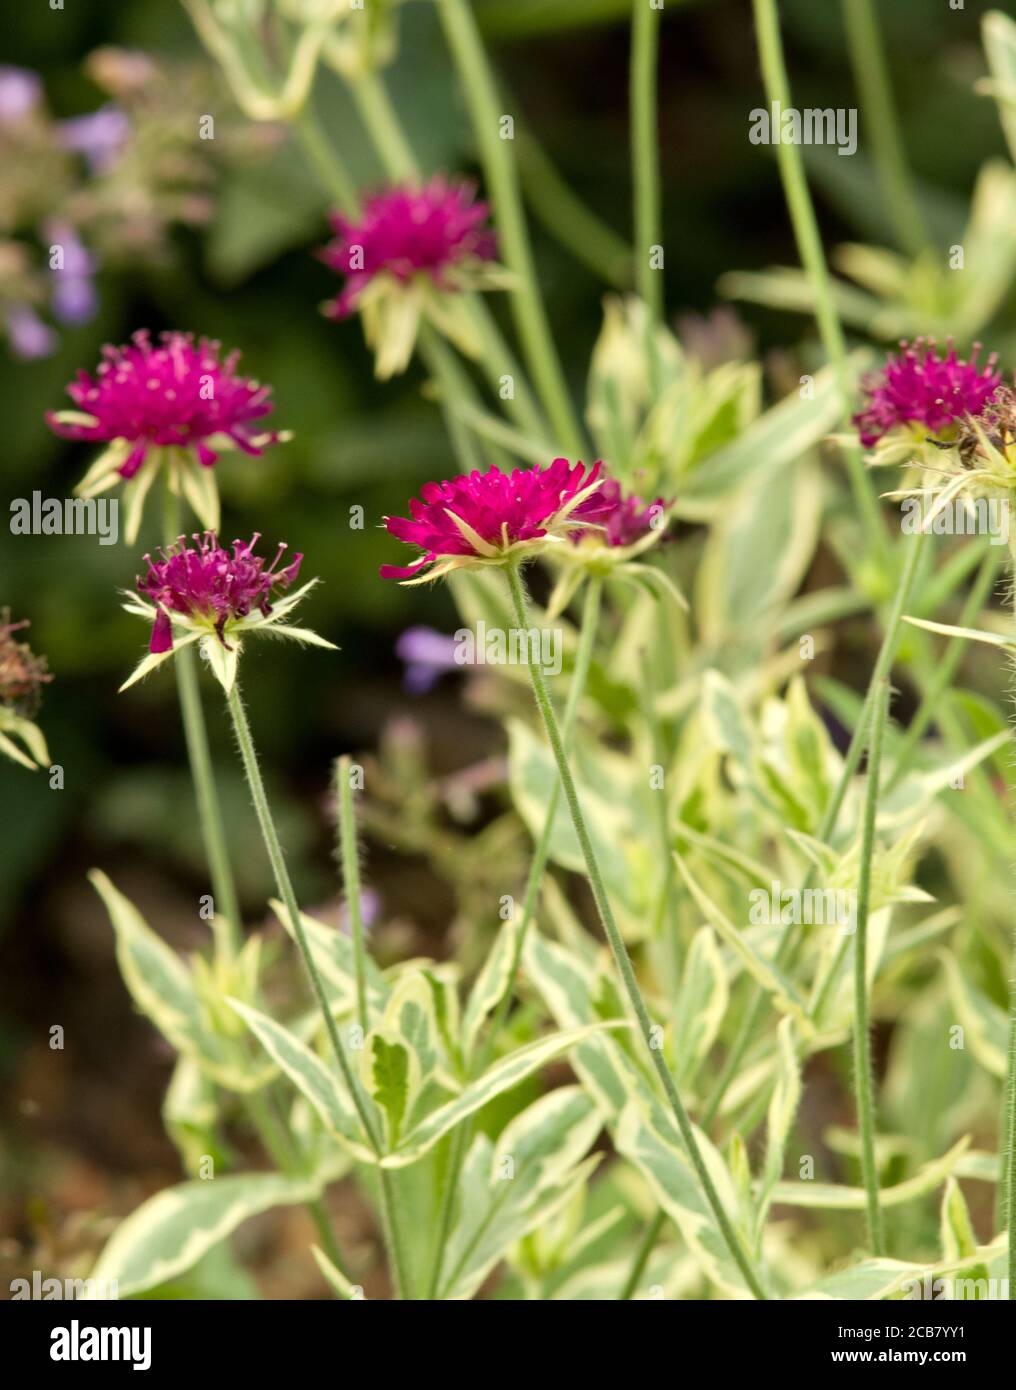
<point x="74" y="299"/>
<point x="99" y="137"/>
<point x="29" y="336"/>
<point x="370" y="910"/>
<point x="428" y="654"/>
<point x="20" y="92"/>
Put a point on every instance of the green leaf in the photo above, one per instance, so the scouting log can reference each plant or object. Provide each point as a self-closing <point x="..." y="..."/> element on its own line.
<point x="701" y="1004"/>
<point x="833" y="1197"/>
<point x="340" y="1285"/>
<point x="999" y="32"/>
<point x="656" y="1150"/>
<point x="312" y="1078"/>
<point x="758" y="553"/>
<point x="389" y="1080"/>
<point x="172" y="1230"/>
<point x="772" y="980"/>
<point x="984" y="1022"/>
<point x="190" y="1115"/>
<point x="160" y="983"/>
<point x="783" y="1103"/>
<point x="502" y="1076"/>
<point x="781" y="435"/>
<point x="490" y="984"/>
<point x="618" y="810"/>
<point x="333" y="955"/>
<point x="518" y="1185"/>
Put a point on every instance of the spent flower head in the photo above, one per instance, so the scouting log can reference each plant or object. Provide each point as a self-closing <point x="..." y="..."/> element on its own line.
<point x="201" y="591"/>
<point x="921" y="392"/>
<point x="180" y="404"/>
<point x="496" y="518"/>
<point x="22" y="676"/>
<point x="405" y="258"/>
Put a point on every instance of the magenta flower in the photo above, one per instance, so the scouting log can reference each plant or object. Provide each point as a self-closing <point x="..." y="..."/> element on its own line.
<point x="405" y="257"/>
<point x="210" y="583"/>
<point x="405" y="232"/>
<point x="919" y="389"/>
<point x="205" y="591"/>
<point x="180" y="401"/>
<point x="626" y="529"/>
<point x="628" y="520"/>
<point x="494" y="518"/>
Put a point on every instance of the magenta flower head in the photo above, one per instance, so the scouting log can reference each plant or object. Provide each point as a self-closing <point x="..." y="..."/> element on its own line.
<point x="405" y="258"/>
<point x="626" y="528"/>
<point x="203" y="592"/>
<point x="180" y="404"/>
<point x="495" y="518"/>
<point x="22" y="676"/>
<point x="922" y="392"/>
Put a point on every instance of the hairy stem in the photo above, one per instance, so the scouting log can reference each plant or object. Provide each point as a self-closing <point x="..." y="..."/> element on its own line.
<point x="871" y="74"/>
<point x="645" y="1248"/>
<point x="1007" y="1147"/>
<point x="227" y="923"/>
<point x="541" y="852"/>
<point x="645" y="32"/>
<point x="326" y="163"/>
<point x="351" y="880"/>
<point x="503" y="182"/>
<point x="809" y="245"/>
<point x="284" y="885"/>
<point x="862" y="1020"/>
<point x="620" y="952"/>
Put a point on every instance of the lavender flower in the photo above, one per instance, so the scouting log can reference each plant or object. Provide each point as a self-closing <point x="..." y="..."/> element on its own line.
<point x="99" y="136"/>
<point x="428" y="654"/>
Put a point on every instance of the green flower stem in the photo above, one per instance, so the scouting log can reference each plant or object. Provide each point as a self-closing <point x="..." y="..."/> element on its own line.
<point x="620" y="952"/>
<point x="227" y="923"/>
<point x="284" y="885"/>
<point x="223" y="884"/>
<point x="541" y="853"/>
<point x="278" y="1147"/>
<point x="827" y="827"/>
<point x="645" y="33"/>
<point x="351" y="879"/>
<point x="862" y="1021"/>
<point x="382" y="124"/>
<point x="1007" y="1147"/>
<point x="645" y="1249"/>
<point x="575" y="226"/>
<point x="809" y="245"/>
<point x="326" y="163"/>
<point x="503" y="184"/>
<point x="871" y="74"/>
